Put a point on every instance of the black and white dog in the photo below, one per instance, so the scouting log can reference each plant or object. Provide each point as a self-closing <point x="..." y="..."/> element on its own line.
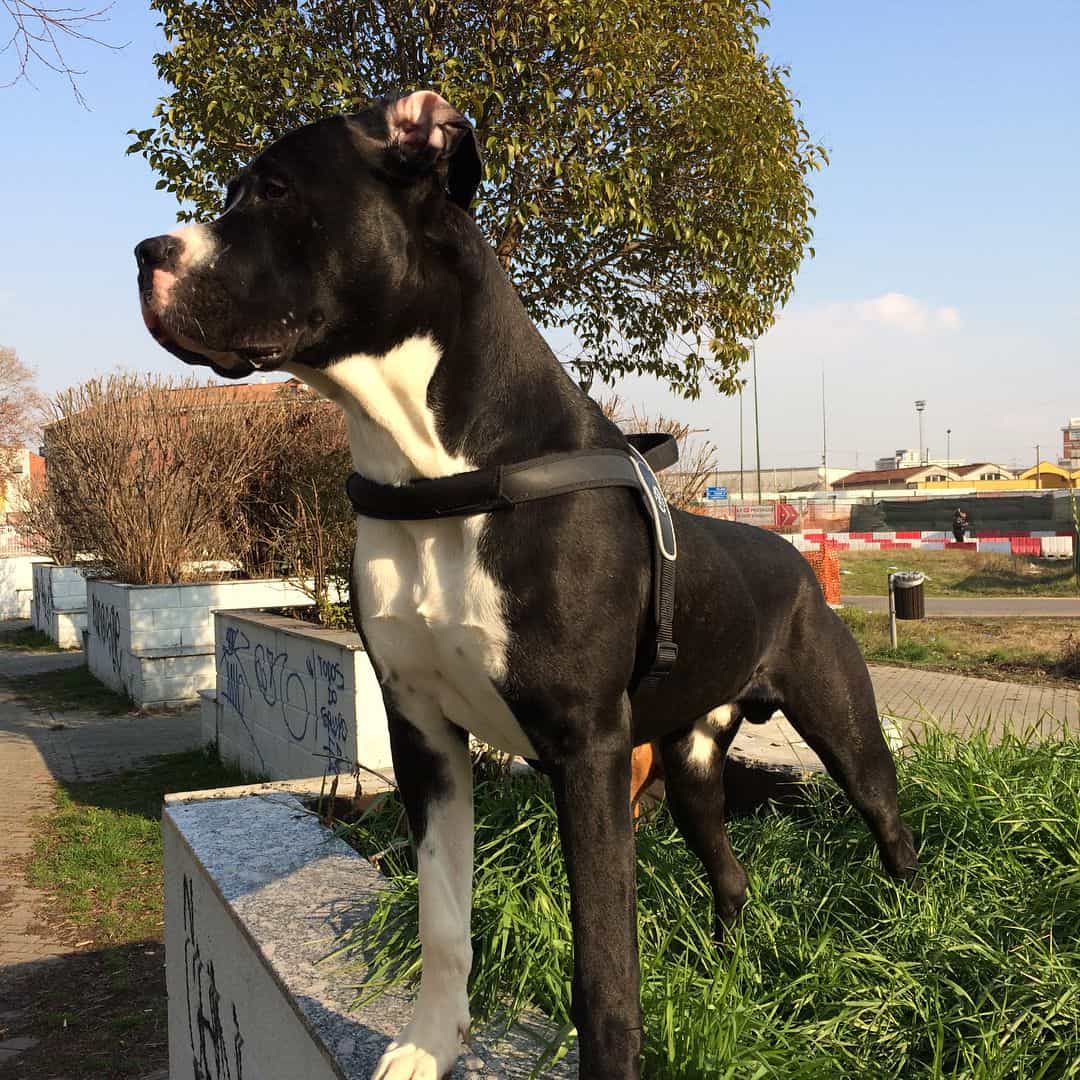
<point x="346" y="255"/>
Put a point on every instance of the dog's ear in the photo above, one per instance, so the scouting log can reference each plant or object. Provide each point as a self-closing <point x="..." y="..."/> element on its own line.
<point x="428" y="133"/>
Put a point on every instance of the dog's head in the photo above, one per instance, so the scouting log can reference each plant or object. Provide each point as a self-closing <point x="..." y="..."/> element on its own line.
<point x="319" y="249"/>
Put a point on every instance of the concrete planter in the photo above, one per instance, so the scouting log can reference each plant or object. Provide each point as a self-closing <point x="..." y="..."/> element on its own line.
<point x="59" y="603"/>
<point x="17" y="585"/>
<point x="256" y="892"/>
<point x="293" y="700"/>
<point x="155" y="643"/>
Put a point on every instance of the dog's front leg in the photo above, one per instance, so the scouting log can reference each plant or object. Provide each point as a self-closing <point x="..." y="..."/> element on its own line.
<point x="434" y="775"/>
<point x="592" y="786"/>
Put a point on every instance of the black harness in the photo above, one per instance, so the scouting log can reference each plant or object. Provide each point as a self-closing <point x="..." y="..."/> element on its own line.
<point x="502" y="487"/>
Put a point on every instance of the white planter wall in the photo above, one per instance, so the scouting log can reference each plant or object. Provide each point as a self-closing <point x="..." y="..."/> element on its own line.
<point x="256" y="892"/>
<point x="155" y="643"/>
<point x="59" y="603"/>
<point x="17" y="585"/>
<point x="293" y="700"/>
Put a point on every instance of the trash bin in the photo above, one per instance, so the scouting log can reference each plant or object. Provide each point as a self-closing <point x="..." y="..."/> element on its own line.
<point x="908" y="596"/>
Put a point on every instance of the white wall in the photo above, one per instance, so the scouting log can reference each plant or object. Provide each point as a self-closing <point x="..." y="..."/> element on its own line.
<point x="59" y="603"/>
<point x="294" y="700"/>
<point x="17" y="585"/>
<point x="155" y="643"/>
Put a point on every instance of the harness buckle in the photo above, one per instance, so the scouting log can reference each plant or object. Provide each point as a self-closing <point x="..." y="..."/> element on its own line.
<point x="667" y="652"/>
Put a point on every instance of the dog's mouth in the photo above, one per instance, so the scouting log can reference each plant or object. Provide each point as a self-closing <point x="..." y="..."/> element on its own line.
<point x="232" y="361"/>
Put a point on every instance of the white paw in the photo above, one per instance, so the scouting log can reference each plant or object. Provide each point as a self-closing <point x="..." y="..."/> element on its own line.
<point x="419" y="1055"/>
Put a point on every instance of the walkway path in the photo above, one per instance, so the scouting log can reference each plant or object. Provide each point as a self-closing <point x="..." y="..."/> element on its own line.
<point x="913" y="697"/>
<point x="1026" y="607"/>
<point x="37" y="749"/>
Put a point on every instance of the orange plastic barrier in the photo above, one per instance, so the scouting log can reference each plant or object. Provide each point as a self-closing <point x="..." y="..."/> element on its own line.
<point x="826" y="567"/>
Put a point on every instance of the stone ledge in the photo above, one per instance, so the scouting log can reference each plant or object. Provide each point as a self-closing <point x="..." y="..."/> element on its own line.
<point x="257" y="891"/>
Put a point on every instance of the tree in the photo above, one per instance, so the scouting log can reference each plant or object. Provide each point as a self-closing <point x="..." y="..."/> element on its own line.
<point x="38" y="35"/>
<point x="645" y="169"/>
<point x="21" y="406"/>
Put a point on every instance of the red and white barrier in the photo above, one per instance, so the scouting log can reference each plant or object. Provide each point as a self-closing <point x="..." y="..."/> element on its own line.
<point x="1057" y="545"/>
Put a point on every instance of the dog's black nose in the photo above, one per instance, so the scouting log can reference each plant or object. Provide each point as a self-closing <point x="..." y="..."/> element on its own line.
<point x="159" y="252"/>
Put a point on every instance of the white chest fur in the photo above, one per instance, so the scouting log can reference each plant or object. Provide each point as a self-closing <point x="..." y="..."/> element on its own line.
<point x="433" y="617"/>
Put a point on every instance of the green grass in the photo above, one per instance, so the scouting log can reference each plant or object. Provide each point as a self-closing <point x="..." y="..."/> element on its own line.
<point x="835" y="971"/>
<point x="959" y="573"/>
<point x="26" y="639"/>
<point x="69" y="689"/>
<point x="99" y="853"/>
<point x="1025" y="650"/>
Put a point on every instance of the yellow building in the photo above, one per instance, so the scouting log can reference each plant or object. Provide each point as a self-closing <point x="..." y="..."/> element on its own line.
<point x="1042" y="477"/>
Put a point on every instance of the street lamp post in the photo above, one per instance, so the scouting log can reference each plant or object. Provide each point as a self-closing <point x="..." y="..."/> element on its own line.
<point x="757" y="430"/>
<point x="948" y="451"/>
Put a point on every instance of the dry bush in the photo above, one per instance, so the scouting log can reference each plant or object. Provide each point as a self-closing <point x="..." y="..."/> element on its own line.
<point x="1068" y="664"/>
<point x="41" y="524"/>
<point x="145" y="474"/>
<point x="684" y="483"/>
<point x="299" y="519"/>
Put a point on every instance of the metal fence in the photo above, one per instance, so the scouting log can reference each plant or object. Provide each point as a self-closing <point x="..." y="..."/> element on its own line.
<point x="11" y="543"/>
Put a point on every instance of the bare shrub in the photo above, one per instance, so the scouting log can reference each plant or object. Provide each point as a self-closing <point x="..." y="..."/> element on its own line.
<point x="145" y="474"/>
<point x="1068" y="664"/>
<point x="684" y="483"/>
<point x="41" y="524"/>
<point x="299" y="519"/>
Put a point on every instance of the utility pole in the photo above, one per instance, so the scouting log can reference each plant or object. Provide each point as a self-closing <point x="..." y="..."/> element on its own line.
<point x="757" y="428"/>
<point x="824" y="439"/>
<point x="1038" y="466"/>
<point x="948" y="452"/>
<point x="742" y="494"/>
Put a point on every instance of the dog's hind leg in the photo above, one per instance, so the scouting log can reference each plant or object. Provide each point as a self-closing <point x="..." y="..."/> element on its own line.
<point x="829" y="699"/>
<point x="434" y="774"/>
<point x="694" y="783"/>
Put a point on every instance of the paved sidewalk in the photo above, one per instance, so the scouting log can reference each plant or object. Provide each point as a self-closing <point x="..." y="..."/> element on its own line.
<point x="913" y="698"/>
<point x="984" y="607"/>
<point x="38" y="748"/>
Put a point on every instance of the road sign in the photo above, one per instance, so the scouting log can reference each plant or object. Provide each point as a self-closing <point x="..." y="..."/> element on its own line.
<point x="786" y="515"/>
<point x="716" y="493"/>
<point x="762" y="514"/>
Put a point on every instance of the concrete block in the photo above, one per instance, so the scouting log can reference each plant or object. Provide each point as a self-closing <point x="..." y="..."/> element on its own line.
<point x="255" y="891"/>
<point x="156" y="639"/>
<point x="173" y="617"/>
<point x="208" y="715"/>
<point x="144" y="597"/>
<point x="313" y="689"/>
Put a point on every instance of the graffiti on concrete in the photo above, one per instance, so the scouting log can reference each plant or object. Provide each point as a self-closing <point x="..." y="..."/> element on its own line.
<point x="214" y="1056"/>
<point x="268" y="666"/>
<point x="43" y="598"/>
<point x="308" y="700"/>
<point x="328" y="676"/>
<point x="106" y="623"/>
<point x="237" y="689"/>
<point x="233" y="680"/>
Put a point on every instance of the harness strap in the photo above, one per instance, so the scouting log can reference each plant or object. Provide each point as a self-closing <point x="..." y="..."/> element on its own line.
<point x="501" y="487"/>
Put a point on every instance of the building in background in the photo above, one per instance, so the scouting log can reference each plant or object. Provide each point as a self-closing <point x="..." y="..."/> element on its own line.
<point x="1070" y="445"/>
<point x="909" y="459"/>
<point x="909" y="479"/>
<point x="23" y="465"/>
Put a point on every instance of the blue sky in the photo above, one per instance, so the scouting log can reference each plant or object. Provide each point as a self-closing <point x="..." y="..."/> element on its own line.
<point x="947" y="231"/>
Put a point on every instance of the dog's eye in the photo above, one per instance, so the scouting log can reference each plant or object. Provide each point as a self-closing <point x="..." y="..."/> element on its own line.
<point x="274" y="189"/>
